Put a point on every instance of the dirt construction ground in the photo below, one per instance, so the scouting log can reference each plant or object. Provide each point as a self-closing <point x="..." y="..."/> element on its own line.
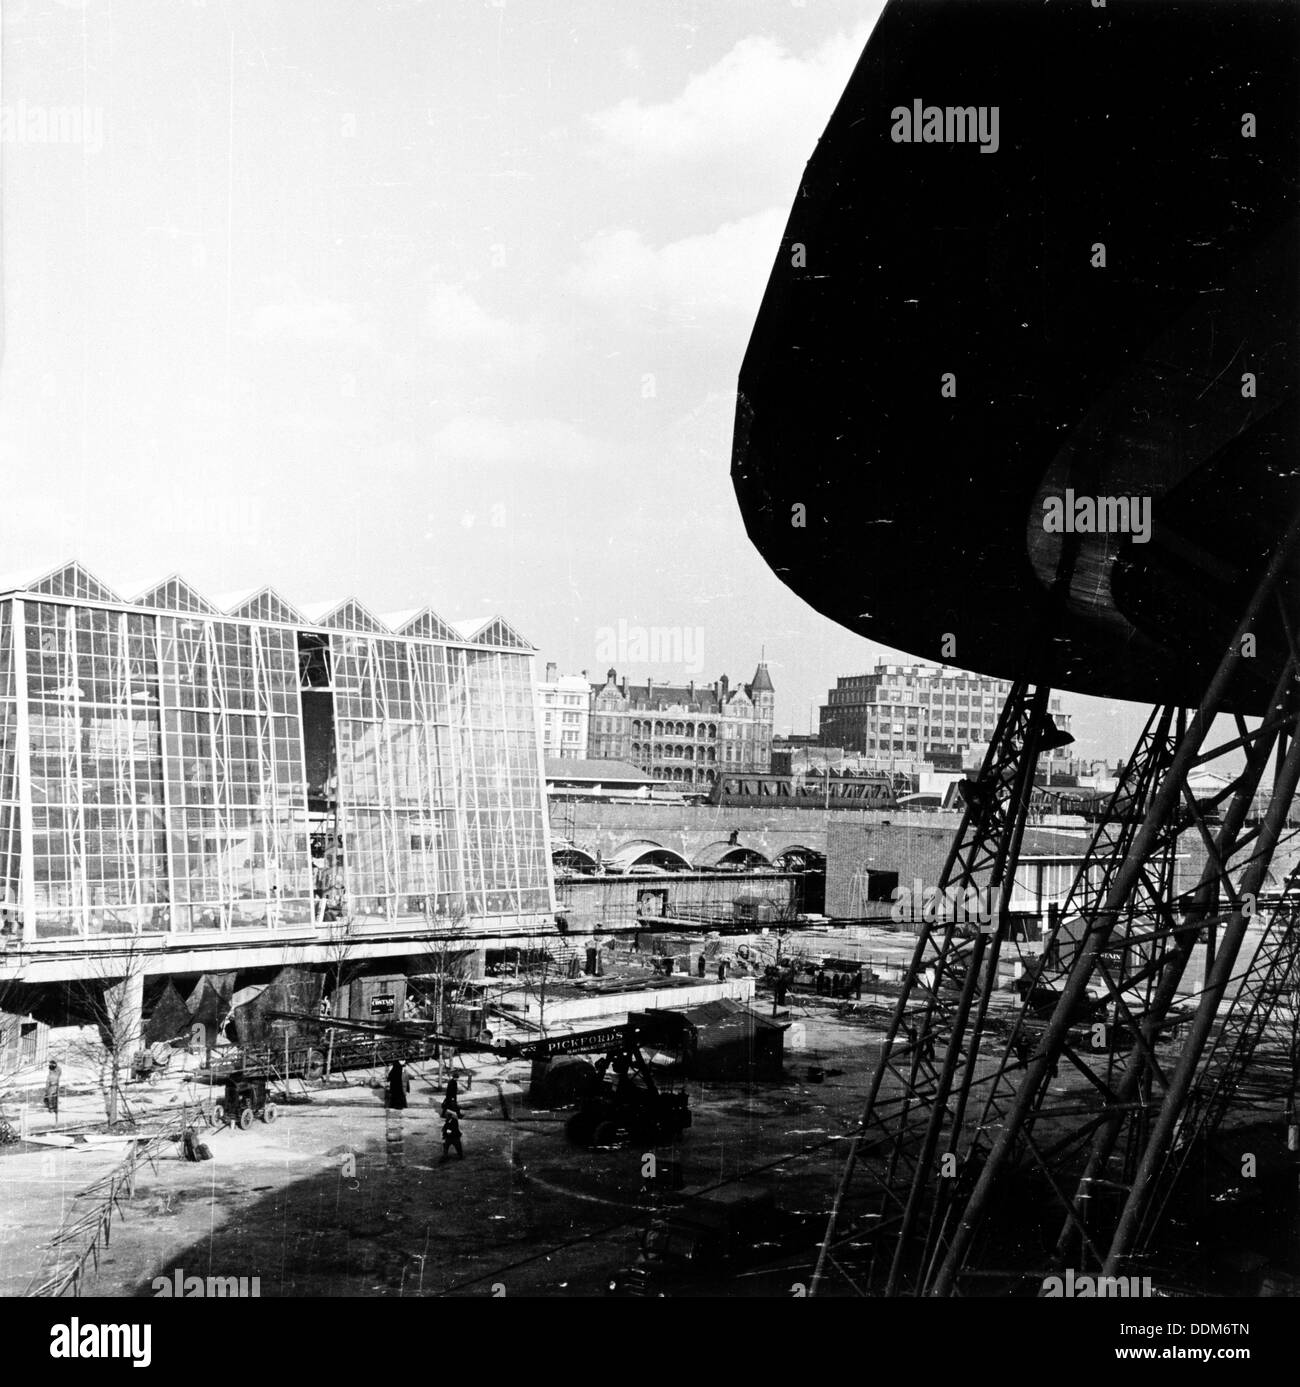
<point x="341" y="1196"/>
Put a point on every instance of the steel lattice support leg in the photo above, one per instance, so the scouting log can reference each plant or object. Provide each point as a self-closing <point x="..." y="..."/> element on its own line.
<point x="1198" y="913"/>
<point x="950" y="977"/>
<point x="1142" y="773"/>
<point x="1260" y="1027"/>
<point x="1225" y="958"/>
<point x="1153" y="946"/>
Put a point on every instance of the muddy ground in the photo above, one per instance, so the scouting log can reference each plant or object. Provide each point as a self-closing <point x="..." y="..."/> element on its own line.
<point x="341" y="1196"/>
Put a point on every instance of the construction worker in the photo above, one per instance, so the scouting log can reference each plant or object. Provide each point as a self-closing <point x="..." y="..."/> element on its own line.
<point x="451" y="1137"/>
<point x="52" y="1077"/>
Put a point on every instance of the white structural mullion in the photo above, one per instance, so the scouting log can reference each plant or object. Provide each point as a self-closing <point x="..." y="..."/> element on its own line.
<point x="387" y="803"/>
<point x="472" y="856"/>
<point x="267" y="799"/>
<point x="298" y="704"/>
<point x="216" y="735"/>
<point x="161" y="666"/>
<point x="547" y="864"/>
<point x="453" y="780"/>
<point x="343" y="857"/>
<point x="392" y="812"/>
<point x="417" y="747"/>
<point x="124" y="765"/>
<point x="482" y="819"/>
<point x="72" y="765"/>
<point x="22" y="728"/>
<point x="505" y="689"/>
<point x="431" y="855"/>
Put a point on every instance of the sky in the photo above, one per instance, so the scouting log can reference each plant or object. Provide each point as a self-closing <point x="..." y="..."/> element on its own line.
<point x="431" y="301"/>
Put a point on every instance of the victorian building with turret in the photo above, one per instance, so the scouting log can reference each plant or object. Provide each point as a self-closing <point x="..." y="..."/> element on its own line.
<point x="688" y="733"/>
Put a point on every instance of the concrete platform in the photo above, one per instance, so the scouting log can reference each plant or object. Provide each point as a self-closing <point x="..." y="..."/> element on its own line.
<point x="570" y="1004"/>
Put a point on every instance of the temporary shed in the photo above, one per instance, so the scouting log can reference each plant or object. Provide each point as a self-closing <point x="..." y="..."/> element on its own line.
<point x="717" y="1040"/>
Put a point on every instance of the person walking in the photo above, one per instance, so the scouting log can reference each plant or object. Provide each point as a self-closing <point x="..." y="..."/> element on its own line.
<point x="451" y="1137"/>
<point x="52" y="1077"/>
<point x="397" y="1086"/>
<point x="451" y="1101"/>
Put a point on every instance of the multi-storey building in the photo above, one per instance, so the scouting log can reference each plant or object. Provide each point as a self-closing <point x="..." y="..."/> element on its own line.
<point x="899" y="716"/>
<point x="563" y="710"/>
<point x="689" y="733"/>
<point x="210" y="779"/>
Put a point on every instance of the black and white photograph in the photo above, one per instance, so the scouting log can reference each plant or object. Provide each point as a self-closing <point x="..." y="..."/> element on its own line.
<point x="648" y="651"/>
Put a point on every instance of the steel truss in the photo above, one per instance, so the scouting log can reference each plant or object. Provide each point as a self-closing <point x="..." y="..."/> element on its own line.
<point x="1253" y="1062"/>
<point x="943" y="1195"/>
<point x="920" y="1088"/>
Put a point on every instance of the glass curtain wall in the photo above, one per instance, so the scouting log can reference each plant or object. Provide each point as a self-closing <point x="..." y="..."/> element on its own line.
<point x="168" y="788"/>
<point x="438" y="780"/>
<point x="503" y="791"/>
<point x="98" y="811"/>
<point x="238" y="813"/>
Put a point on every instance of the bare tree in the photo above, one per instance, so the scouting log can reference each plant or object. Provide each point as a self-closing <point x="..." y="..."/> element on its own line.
<point x="534" y="977"/>
<point x="447" y="962"/>
<point x="341" y="968"/>
<point x="107" y="998"/>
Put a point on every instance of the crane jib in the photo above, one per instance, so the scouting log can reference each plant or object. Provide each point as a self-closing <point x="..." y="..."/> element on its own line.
<point x="581" y="1042"/>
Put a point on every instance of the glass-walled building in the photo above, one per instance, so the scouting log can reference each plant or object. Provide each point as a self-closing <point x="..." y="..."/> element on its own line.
<point x="173" y="765"/>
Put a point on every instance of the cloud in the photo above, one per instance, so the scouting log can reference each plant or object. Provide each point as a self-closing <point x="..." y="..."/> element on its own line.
<point x="757" y="100"/>
<point x="477" y="440"/>
<point x="718" y="275"/>
<point x="454" y="318"/>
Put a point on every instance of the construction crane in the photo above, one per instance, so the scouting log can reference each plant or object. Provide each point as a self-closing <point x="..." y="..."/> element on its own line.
<point x="621" y="1101"/>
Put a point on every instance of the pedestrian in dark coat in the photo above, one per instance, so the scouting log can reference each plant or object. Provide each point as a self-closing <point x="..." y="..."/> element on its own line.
<point x="52" y="1078"/>
<point x="396" y="1086"/>
<point x="451" y="1102"/>
<point x="451" y="1137"/>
